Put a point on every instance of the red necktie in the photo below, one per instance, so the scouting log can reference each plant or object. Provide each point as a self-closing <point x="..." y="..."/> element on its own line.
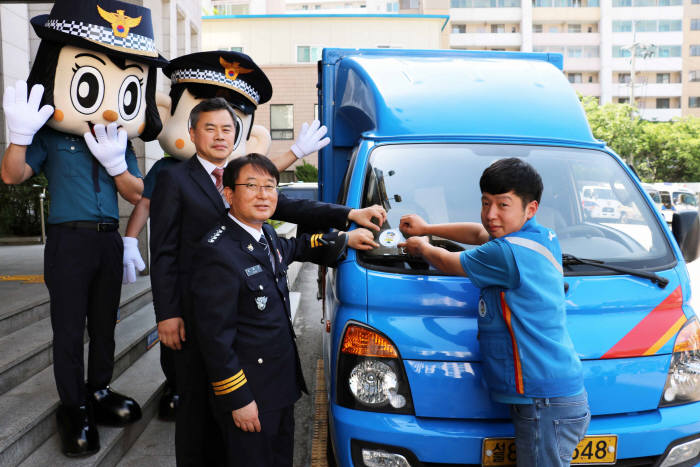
<point x="218" y="174"/>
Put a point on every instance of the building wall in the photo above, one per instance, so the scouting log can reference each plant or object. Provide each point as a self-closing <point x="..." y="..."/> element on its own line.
<point x="691" y="64"/>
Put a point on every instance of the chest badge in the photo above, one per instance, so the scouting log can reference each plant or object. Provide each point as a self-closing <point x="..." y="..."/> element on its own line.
<point x="261" y="302"/>
<point x="250" y="247"/>
<point x="482" y="308"/>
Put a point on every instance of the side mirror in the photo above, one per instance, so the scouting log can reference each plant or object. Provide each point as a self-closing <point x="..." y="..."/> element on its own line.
<point x="686" y="229"/>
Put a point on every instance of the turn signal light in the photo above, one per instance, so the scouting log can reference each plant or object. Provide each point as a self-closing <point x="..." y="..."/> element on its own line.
<point x="367" y="343"/>
<point x="688" y="338"/>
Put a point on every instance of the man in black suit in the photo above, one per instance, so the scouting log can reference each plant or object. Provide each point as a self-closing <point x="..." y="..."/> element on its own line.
<point x="185" y="203"/>
<point x="242" y="317"/>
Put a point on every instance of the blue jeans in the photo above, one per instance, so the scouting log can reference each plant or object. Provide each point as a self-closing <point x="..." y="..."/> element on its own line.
<point x="548" y="430"/>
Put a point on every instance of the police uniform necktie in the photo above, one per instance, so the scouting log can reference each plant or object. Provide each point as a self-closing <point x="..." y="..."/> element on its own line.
<point x="218" y="174"/>
<point x="266" y="248"/>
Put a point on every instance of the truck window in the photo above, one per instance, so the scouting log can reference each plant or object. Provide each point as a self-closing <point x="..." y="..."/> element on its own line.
<point x="592" y="204"/>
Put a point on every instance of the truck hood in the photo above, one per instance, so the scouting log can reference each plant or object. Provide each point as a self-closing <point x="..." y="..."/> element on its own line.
<point x="625" y="339"/>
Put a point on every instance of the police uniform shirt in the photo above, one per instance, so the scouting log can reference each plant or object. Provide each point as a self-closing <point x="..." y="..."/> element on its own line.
<point x="149" y="183"/>
<point x="81" y="189"/>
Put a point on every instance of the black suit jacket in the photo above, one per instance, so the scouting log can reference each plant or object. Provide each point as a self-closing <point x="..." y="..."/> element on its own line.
<point x="184" y="206"/>
<point x="241" y="314"/>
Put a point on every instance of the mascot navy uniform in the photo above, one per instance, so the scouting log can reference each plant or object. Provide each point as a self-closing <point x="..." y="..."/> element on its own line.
<point x="196" y="77"/>
<point x="96" y="70"/>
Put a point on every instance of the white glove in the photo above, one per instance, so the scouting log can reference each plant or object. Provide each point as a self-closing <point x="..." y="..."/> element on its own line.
<point x="109" y="148"/>
<point x="24" y="117"/>
<point x="309" y="139"/>
<point x="132" y="260"/>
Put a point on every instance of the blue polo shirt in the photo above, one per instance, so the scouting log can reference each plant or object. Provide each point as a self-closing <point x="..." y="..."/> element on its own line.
<point x="76" y="194"/>
<point x="149" y="183"/>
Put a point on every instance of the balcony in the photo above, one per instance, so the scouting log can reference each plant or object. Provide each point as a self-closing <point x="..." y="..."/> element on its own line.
<point x="565" y="14"/>
<point x="648" y="90"/>
<point x="564" y="39"/>
<point x="647" y="12"/>
<point x="485" y="15"/>
<point x="581" y="64"/>
<point x="659" y="115"/>
<point x="587" y="89"/>
<point x="486" y="40"/>
<point x="649" y="64"/>
<point x="656" y="38"/>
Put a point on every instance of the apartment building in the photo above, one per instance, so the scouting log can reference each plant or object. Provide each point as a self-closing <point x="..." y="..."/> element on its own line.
<point x="690" y="100"/>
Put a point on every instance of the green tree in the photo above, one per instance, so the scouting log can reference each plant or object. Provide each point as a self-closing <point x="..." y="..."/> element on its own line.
<point x="306" y="172"/>
<point x="618" y="125"/>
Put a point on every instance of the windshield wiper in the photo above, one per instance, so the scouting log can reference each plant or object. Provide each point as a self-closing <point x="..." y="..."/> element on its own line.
<point x="568" y="260"/>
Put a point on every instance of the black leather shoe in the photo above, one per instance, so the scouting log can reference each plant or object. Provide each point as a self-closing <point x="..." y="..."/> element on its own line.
<point x="112" y="408"/>
<point x="168" y="404"/>
<point x="77" y="431"/>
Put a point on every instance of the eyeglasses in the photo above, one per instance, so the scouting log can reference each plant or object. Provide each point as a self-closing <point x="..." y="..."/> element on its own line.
<point x="255" y="188"/>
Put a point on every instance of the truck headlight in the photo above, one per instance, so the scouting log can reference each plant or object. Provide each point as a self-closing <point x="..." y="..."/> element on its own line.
<point x="683" y="381"/>
<point x="370" y="373"/>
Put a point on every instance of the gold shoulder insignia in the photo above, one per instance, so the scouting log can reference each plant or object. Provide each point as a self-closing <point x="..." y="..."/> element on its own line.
<point x="119" y="21"/>
<point x="232" y="70"/>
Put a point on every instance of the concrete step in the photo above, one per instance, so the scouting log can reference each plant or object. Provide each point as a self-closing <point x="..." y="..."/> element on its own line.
<point x="28" y="350"/>
<point x="154" y="448"/>
<point x="27" y="410"/>
<point x="29" y="303"/>
<point x="144" y="382"/>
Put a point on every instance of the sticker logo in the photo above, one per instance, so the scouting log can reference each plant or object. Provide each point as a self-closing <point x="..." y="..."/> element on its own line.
<point x="391" y="238"/>
<point x="261" y="302"/>
<point x="482" y="308"/>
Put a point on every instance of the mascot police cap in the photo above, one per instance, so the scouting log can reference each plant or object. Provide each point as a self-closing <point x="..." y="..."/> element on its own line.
<point x="231" y="70"/>
<point x="108" y="26"/>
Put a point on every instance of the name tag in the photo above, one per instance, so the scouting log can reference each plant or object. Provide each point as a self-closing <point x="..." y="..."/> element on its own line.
<point x="253" y="270"/>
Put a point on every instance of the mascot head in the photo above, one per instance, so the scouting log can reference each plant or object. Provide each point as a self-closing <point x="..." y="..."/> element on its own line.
<point x="202" y="75"/>
<point x="97" y="61"/>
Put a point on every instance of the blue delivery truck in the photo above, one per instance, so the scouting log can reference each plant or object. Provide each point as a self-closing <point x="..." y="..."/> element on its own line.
<point x="412" y="130"/>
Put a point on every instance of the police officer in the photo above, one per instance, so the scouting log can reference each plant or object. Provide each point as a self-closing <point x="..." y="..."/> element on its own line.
<point x="242" y="318"/>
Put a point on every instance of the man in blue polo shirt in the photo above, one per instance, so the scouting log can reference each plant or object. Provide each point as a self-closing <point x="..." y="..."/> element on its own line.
<point x="528" y="358"/>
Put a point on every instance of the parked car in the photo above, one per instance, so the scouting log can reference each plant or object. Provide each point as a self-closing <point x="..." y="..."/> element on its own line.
<point x="599" y="202"/>
<point x="300" y="190"/>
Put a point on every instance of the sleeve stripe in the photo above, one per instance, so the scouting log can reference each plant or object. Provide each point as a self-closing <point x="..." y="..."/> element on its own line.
<point x="231" y="389"/>
<point x="314" y="240"/>
<point x="232" y="383"/>
<point x="228" y="380"/>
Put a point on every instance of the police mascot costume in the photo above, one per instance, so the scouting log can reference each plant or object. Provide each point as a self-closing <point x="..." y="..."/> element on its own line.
<point x="195" y="77"/>
<point x="92" y="88"/>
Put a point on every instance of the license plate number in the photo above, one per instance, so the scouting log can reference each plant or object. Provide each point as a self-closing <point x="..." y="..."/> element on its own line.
<point x="591" y="450"/>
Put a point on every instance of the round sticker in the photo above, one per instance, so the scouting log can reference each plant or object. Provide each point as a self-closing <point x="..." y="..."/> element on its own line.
<point x="482" y="308"/>
<point x="391" y="238"/>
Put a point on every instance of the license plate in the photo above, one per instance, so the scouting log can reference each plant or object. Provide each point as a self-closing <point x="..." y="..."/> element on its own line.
<point x="591" y="450"/>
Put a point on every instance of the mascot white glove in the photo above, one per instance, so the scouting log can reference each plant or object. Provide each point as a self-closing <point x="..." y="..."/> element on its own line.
<point x="24" y="117"/>
<point x="132" y="260"/>
<point x="311" y="139"/>
<point x="109" y="147"/>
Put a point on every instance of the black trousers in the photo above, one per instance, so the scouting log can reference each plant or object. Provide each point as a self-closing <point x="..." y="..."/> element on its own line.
<point x="271" y="447"/>
<point x="83" y="272"/>
<point x="167" y="364"/>
<point x="198" y="441"/>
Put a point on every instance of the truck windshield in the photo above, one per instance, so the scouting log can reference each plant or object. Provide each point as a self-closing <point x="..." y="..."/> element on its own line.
<point x="592" y="204"/>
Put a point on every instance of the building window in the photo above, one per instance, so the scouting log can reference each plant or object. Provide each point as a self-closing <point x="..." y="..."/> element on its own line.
<point x="498" y="28"/>
<point x="308" y="54"/>
<point x="663" y="78"/>
<point x="458" y="3"/>
<point x="574" y="28"/>
<point x="621" y="3"/>
<point x="282" y="121"/>
<point x="574" y="52"/>
<point x="623" y="100"/>
<point x="553" y="29"/>
<point x="695" y="50"/>
<point x="459" y="28"/>
<point x="645" y="26"/>
<point x="695" y="2"/>
<point x="574" y="77"/>
<point x="666" y="51"/>
<point x="537" y="28"/>
<point x="624" y="78"/>
<point x="694" y="76"/>
<point x="663" y="103"/>
<point x="619" y="52"/>
<point x="669" y="25"/>
<point x="622" y="26"/>
<point x="695" y="24"/>
<point x="591" y="51"/>
<point x="694" y="102"/>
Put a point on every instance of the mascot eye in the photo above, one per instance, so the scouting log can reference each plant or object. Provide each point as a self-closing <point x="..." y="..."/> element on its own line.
<point x="130" y="97"/>
<point x="239" y="130"/>
<point x="87" y="89"/>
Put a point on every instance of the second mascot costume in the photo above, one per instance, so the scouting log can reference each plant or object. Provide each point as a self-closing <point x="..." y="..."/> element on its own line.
<point x="97" y="62"/>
